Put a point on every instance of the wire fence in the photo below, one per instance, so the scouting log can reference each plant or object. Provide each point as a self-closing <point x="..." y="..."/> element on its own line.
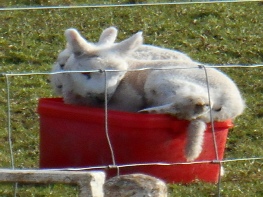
<point x="114" y="165"/>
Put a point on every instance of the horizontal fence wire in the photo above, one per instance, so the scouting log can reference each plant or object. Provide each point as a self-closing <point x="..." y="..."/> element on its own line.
<point x="128" y="70"/>
<point x="158" y="164"/>
<point x="122" y="5"/>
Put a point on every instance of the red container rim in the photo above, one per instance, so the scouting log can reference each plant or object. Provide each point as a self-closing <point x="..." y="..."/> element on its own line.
<point x="55" y="107"/>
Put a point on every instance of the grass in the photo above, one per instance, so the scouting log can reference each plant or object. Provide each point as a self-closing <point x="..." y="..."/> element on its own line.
<point x="224" y="33"/>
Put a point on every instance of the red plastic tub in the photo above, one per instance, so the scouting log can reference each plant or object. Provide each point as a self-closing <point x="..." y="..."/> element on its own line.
<point x="74" y="136"/>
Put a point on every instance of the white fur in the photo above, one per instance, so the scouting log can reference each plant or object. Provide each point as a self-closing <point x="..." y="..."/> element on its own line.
<point x="89" y="57"/>
<point x="169" y="91"/>
<point x="150" y="52"/>
<point x="195" y="138"/>
<point x="56" y="79"/>
<point x="108" y="37"/>
<point x="183" y="93"/>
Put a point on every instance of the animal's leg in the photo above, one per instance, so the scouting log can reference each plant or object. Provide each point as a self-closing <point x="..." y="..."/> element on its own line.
<point x="195" y="138"/>
<point x="188" y="108"/>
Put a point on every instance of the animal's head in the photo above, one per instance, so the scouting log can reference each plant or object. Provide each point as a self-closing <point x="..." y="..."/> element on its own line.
<point x="108" y="36"/>
<point x="96" y="66"/>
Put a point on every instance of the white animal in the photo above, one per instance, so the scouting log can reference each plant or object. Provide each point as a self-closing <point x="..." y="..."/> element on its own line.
<point x="169" y="90"/>
<point x="76" y="90"/>
<point x="108" y="36"/>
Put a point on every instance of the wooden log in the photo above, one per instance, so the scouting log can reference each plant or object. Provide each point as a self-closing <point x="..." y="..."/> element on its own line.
<point x="90" y="183"/>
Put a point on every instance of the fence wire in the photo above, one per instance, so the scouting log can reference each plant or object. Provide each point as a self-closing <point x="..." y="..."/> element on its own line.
<point x="124" y="5"/>
<point x="114" y="164"/>
<point x="107" y="131"/>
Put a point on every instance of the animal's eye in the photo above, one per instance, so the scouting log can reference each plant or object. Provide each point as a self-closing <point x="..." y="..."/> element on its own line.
<point x="87" y="74"/>
<point x="218" y="109"/>
<point x="61" y="66"/>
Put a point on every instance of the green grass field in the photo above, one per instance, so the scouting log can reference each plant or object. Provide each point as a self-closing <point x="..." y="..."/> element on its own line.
<point x="222" y="33"/>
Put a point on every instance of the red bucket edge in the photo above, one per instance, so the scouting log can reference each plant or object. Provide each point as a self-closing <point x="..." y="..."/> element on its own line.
<point x="55" y="107"/>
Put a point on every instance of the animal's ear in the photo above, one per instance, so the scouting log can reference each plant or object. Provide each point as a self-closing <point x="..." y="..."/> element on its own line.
<point x="130" y="44"/>
<point x="163" y="109"/>
<point x="77" y="43"/>
<point x="108" y="36"/>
